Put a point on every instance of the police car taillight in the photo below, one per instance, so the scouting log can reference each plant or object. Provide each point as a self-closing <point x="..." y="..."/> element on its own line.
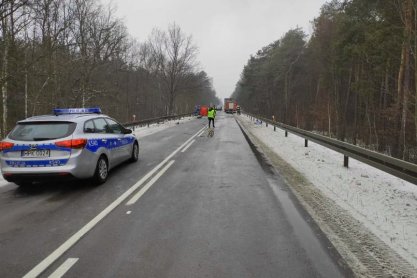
<point x="72" y="144"/>
<point x="5" y="145"/>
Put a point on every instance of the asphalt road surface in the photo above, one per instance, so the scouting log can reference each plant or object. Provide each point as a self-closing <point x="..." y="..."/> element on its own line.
<point x="192" y="206"/>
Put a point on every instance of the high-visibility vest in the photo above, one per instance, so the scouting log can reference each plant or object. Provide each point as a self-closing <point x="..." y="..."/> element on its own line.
<point x="211" y="114"/>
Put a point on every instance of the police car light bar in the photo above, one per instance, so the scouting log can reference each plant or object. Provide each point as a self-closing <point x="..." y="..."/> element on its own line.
<point x="59" y="111"/>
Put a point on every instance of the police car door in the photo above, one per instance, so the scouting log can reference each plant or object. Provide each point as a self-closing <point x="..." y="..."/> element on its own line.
<point x="107" y="139"/>
<point x="121" y="149"/>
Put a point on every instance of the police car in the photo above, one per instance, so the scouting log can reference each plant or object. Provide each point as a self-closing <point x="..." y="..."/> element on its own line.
<point x="72" y="143"/>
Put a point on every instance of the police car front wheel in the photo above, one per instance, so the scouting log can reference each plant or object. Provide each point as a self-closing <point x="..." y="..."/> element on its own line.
<point x="135" y="153"/>
<point x="102" y="170"/>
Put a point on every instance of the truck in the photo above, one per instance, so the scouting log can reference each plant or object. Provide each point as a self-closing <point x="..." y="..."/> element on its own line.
<point x="203" y="110"/>
<point x="230" y="105"/>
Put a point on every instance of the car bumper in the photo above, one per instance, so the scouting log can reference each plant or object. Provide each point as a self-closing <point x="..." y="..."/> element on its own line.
<point x="81" y="164"/>
<point x="38" y="177"/>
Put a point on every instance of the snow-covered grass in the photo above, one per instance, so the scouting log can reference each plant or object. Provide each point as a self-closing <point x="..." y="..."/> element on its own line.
<point x="385" y="204"/>
<point x="141" y="132"/>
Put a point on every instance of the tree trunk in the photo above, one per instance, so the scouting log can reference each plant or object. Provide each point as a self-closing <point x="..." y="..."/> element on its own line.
<point x="26" y="86"/>
<point x="4" y="75"/>
<point x="404" y="76"/>
<point x="415" y="68"/>
<point x="330" y="118"/>
<point x="286" y="96"/>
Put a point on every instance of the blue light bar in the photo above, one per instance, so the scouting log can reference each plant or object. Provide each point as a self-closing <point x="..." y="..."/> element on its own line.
<point x="60" y="111"/>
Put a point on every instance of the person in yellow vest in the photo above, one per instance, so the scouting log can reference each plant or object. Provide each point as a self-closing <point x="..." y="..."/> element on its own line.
<point x="211" y="115"/>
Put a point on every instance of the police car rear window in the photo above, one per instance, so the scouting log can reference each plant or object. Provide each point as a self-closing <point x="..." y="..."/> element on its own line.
<point x="42" y="131"/>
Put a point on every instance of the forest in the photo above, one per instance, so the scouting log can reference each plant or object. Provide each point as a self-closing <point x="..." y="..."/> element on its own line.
<point x="353" y="78"/>
<point x="76" y="53"/>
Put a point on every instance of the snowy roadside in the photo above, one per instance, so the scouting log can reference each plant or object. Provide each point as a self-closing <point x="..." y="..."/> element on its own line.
<point x="384" y="204"/>
<point x="144" y="131"/>
<point x="3" y="182"/>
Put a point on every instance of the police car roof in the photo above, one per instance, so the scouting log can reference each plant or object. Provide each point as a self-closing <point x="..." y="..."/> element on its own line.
<point x="62" y="118"/>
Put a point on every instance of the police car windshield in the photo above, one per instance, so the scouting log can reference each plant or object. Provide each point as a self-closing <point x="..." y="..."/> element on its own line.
<point x="42" y="131"/>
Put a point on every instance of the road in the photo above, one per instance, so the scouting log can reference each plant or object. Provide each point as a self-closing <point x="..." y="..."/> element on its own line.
<point x="192" y="206"/>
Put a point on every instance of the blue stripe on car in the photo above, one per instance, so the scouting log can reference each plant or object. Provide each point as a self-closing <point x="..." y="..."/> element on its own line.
<point x="109" y="143"/>
<point x="26" y="147"/>
<point x="36" y="163"/>
<point x="92" y="145"/>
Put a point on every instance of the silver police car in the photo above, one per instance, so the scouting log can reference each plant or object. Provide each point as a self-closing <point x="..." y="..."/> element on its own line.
<point x="73" y="143"/>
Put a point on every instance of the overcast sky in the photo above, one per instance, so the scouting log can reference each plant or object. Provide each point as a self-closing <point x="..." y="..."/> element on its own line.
<point x="226" y="32"/>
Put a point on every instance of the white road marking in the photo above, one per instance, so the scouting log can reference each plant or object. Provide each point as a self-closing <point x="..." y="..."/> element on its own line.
<point x="128" y="212"/>
<point x="38" y="269"/>
<point x="189" y="145"/>
<point x="145" y="188"/>
<point x="63" y="268"/>
<point x="204" y="129"/>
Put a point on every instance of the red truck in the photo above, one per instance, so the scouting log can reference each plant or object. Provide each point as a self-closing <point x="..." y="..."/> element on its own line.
<point x="230" y="105"/>
<point x="203" y="110"/>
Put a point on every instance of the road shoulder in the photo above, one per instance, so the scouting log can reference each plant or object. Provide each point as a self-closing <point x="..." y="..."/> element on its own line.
<point x="366" y="254"/>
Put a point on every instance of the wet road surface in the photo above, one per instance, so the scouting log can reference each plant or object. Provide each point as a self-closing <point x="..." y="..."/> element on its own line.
<point x="192" y="206"/>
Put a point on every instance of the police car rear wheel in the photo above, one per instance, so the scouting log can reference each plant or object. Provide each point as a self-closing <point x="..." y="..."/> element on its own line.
<point x="135" y="153"/>
<point x="102" y="170"/>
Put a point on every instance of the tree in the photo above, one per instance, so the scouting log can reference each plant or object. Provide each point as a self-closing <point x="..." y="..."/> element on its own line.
<point x="69" y="53"/>
<point x="173" y="61"/>
<point x="352" y="79"/>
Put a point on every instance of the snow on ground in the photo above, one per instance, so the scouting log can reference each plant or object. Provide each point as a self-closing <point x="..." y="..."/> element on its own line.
<point x="386" y="205"/>
<point x="141" y="132"/>
<point x="3" y="182"/>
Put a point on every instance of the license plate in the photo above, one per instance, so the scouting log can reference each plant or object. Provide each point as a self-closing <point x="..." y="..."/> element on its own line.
<point x="36" y="153"/>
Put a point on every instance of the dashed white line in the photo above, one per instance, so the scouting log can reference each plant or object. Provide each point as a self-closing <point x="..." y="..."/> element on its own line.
<point x="63" y="268"/>
<point x="198" y="135"/>
<point x="145" y="188"/>
<point x="189" y="145"/>
<point x="43" y="265"/>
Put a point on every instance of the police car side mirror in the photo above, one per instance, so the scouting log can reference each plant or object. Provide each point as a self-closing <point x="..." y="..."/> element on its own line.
<point x="127" y="131"/>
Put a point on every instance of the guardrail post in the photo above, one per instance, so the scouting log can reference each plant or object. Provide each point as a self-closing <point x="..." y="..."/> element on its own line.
<point x="305" y="143"/>
<point x="286" y="133"/>
<point x="346" y="161"/>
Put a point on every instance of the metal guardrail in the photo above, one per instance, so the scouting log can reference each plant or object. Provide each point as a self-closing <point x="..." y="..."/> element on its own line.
<point x="397" y="167"/>
<point x="155" y="120"/>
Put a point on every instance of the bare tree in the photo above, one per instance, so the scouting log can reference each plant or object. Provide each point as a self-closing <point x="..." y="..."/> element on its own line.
<point x="8" y="19"/>
<point x="76" y="52"/>
<point x="99" y="37"/>
<point x="173" y="59"/>
<point x="404" y="73"/>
